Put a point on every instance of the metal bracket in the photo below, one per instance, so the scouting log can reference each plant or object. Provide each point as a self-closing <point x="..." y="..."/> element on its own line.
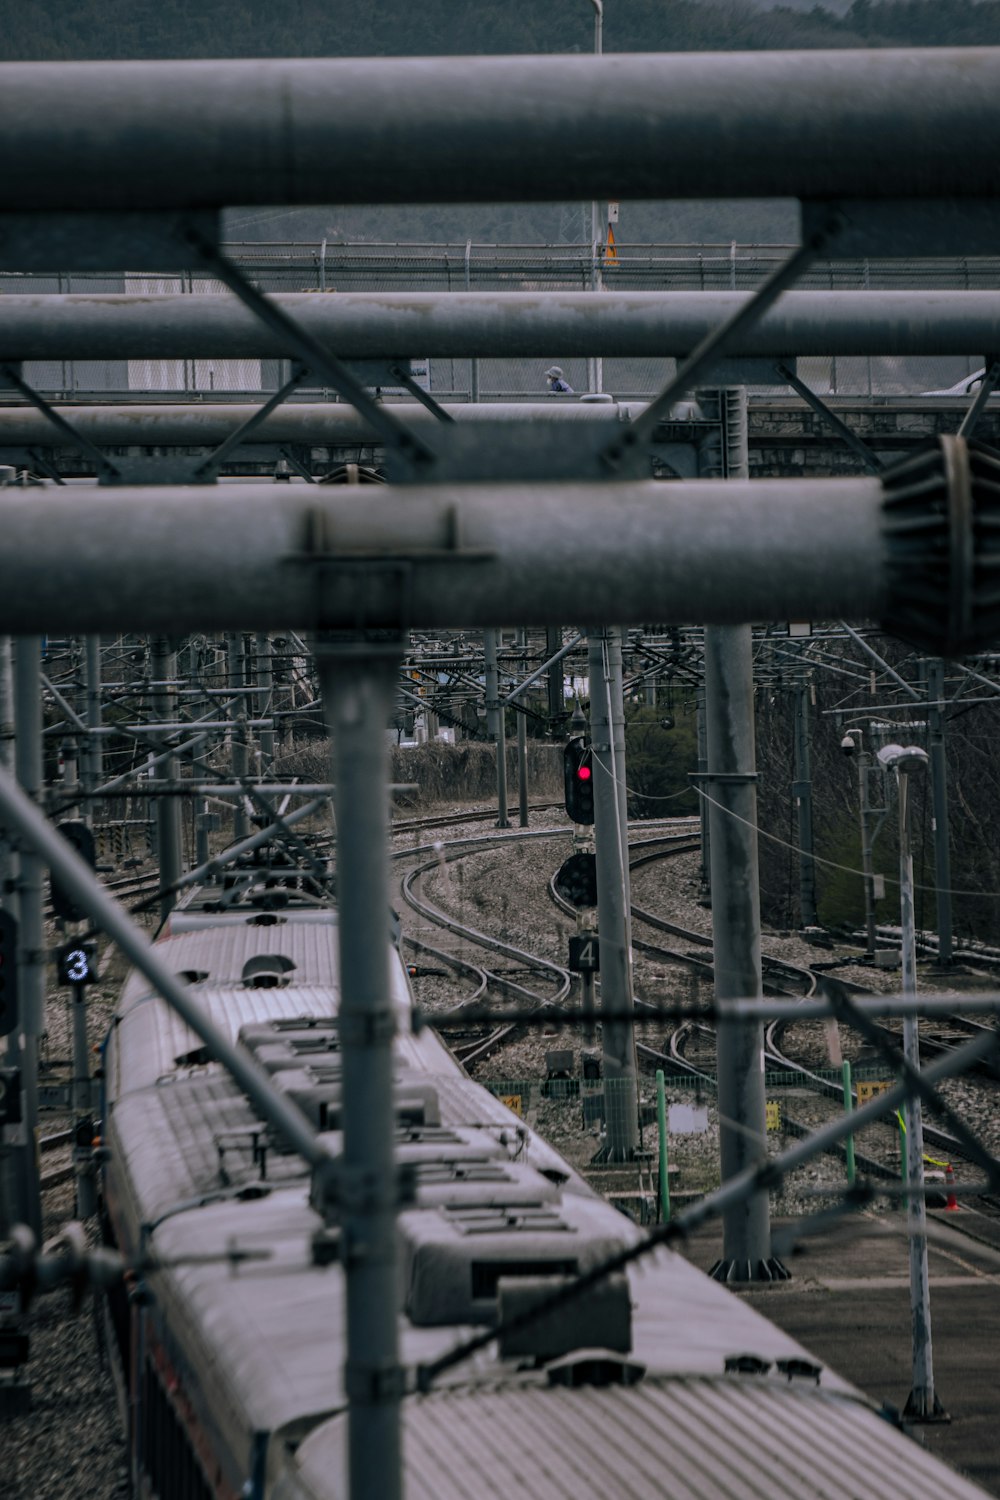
<point x="726" y="778"/>
<point x="371" y="1385"/>
<point x="986" y="387"/>
<point x="208" y="468"/>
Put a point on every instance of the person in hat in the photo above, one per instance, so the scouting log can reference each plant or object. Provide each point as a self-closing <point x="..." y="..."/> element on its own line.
<point x="558" y="386"/>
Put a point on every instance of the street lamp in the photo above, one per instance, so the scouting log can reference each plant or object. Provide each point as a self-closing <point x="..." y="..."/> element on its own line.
<point x="922" y="1404"/>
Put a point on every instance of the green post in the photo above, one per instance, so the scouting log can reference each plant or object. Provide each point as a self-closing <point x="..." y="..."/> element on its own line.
<point x="904" y="1168"/>
<point x="848" y="1109"/>
<point x="661" y="1127"/>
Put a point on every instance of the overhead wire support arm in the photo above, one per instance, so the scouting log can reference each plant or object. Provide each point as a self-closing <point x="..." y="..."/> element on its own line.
<point x="717" y="344"/>
<point x="103" y="464"/>
<point x="311" y="352"/>
<point x="419" y="394"/>
<point x="871" y="461"/>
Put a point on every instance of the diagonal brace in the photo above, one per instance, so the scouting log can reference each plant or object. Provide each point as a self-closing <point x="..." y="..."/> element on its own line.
<point x="848" y="1013"/>
<point x="209" y="467"/>
<point x="424" y="397"/>
<point x="104" y="464"/>
<point x="311" y="352"/>
<point x="717" y="344"/>
<point x="872" y="463"/>
<point x="990" y="377"/>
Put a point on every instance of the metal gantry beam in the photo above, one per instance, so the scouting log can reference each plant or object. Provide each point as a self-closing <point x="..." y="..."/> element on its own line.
<point x="86" y="560"/>
<point x="468" y="325"/>
<point x="203" y="135"/>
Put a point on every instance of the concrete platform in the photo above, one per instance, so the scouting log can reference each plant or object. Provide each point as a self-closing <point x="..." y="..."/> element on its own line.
<point x="848" y="1302"/>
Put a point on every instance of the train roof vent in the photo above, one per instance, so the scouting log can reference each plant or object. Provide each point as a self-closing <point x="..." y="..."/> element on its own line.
<point x="265" y="919"/>
<point x="192" y="976"/>
<point x="454" y="1258"/>
<point x="266" y="971"/>
<point x="599" y="1318"/>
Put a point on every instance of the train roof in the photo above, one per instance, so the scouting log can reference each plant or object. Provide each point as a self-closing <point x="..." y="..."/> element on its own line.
<point x="689" y="1437"/>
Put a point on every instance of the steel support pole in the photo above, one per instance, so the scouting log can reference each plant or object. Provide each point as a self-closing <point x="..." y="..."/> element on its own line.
<point x="802" y="792"/>
<point x="522" y="752"/>
<point x="8" y="857"/>
<point x="922" y="1403"/>
<point x="94" y="754"/>
<point x="239" y="755"/>
<point x="358" y="687"/>
<point x="265" y="698"/>
<point x="704" y="806"/>
<point x="939" y="793"/>
<point x="163" y="666"/>
<point x="495" y="724"/>
<point x="730" y="784"/>
<point x="865" y="769"/>
<point x="607" y="733"/>
<point x="10" y="1191"/>
<point x="31" y="956"/>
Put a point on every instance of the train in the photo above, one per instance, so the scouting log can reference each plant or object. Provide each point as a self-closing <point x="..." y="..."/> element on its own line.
<point x="228" y="1335"/>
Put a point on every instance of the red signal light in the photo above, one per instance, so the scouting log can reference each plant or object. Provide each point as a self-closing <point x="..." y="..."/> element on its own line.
<point x="583" y="774"/>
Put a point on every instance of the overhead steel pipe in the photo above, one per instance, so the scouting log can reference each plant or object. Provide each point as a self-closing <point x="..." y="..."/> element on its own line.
<point x="314" y="423"/>
<point x="253" y="557"/>
<point x="467" y="325"/>
<point x="199" y="135"/>
<point x="917" y="549"/>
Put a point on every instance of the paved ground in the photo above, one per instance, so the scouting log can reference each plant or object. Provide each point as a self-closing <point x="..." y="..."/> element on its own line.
<point x="848" y="1302"/>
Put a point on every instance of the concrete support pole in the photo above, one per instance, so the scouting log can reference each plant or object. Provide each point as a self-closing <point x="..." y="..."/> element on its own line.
<point x="939" y="794"/>
<point x="802" y="792"/>
<point x="746" y="1253"/>
<point x="495" y="725"/>
<point x="358" y="687"/>
<point x="239" y="756"/>
<point x="31" y="961"/>
<point x="163" y="666"/>
<point x="265" y="698"/>
<point x="607" y="733"/>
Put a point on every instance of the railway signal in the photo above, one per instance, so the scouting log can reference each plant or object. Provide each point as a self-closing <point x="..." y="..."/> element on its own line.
<point x="82" y="840"/>
<point x="8" y="974"/>
<point x="576" y="880"/>
<point x="578" y="775"/>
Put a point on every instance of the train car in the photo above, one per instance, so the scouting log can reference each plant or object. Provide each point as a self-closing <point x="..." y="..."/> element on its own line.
<point x="231" y="1341"/>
